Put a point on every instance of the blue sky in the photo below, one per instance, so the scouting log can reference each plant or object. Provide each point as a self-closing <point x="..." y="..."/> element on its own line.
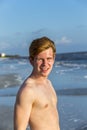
<point x="64" y="21"/>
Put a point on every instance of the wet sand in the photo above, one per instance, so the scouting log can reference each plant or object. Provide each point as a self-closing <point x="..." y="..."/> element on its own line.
<point x="72" y="109"/>
<point x="6" y="117"/>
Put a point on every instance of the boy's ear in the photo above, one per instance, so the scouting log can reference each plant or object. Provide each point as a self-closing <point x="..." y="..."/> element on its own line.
<point x="54" y="56"/>
<point x="31" y="60"/>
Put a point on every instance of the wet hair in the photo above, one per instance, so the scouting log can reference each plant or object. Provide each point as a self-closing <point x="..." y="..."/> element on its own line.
<point x="40" y="44"/>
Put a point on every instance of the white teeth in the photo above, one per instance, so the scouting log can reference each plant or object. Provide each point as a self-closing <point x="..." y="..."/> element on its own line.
<point x="44" y="69"/>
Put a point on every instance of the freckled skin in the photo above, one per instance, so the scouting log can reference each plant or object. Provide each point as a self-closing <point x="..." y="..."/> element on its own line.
<point x="36" y="102"/>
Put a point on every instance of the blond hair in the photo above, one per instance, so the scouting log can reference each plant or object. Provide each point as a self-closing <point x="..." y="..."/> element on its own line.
<point x="40" y="44"/>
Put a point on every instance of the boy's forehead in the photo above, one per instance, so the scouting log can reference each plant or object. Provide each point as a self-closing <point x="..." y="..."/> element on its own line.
<point x="45" y="54"/>
<point x="48" y="51"/>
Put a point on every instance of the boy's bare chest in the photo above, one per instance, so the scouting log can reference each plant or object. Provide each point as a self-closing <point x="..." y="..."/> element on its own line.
<point x="45" y="98"/>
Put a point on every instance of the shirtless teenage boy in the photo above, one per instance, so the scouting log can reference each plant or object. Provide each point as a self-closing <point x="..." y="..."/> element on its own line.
<point x="36" y="101"/>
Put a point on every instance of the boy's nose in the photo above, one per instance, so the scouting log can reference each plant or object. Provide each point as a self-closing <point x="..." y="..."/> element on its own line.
<point x="45" y="62"/>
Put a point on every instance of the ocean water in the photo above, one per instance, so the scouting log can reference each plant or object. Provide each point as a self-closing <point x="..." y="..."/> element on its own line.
<point x="69" y="79"/>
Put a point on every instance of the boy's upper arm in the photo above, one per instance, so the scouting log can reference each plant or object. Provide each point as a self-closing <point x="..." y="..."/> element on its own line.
<point x="22" y="110"/>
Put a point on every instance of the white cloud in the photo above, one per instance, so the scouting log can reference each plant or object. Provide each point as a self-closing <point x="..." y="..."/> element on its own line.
<point x="64" y="40"/>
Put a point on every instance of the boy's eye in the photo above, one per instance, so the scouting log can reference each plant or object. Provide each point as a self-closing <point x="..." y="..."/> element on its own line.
<point x="39" y="59"/>
<point x="49" y="59"/>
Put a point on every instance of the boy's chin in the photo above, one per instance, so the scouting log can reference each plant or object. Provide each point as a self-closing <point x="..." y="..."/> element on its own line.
<point x="45" y="74"/>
